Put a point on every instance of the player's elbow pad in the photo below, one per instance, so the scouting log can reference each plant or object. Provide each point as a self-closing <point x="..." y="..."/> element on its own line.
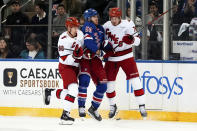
<point x="91" y="45"/>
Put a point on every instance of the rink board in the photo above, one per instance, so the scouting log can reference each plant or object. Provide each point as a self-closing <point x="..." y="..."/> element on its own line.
<point x="169" y="87"/>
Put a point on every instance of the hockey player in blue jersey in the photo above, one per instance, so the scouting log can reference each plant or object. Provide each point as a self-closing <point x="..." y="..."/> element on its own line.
<point x="91" y="65"/>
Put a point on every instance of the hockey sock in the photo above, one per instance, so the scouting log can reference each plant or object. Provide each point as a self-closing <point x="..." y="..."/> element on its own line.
<point x="111" y="93"/>
<point x="98" y="95"/>
<point x="69" y="101"/>
<point x="84" y="81"/>
<point x="70" y="97"/>
<point x="138" y="90"/>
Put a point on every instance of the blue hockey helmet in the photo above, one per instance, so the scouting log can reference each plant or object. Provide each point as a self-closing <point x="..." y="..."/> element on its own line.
<point x="89" y="13"/>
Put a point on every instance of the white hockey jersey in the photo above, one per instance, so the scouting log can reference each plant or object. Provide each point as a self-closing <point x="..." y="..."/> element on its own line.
<point x="114" y="35"/>
<point x="66" y="42"/>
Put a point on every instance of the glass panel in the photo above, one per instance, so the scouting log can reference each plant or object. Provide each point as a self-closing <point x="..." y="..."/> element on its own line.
<point x="20" y="22"/>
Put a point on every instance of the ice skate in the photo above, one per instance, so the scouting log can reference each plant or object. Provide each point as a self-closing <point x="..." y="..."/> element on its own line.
<point x="47" y="95"/>
<point x="82" y="113"/>
<point x="143" y="111"/>
<point x="66" y="119"/>
<point x="94" y="113"/>
<point x="113" y="111"/>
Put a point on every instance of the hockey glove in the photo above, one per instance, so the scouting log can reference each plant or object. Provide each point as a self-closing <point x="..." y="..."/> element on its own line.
<point x="128" y="39"/>
<point x="107" y="46"/>
<point x="78" y="52"/>
<point x="107" y="55"/>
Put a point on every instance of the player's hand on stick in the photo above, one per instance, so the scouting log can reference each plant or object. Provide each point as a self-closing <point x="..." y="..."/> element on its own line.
<point x="107" y="46"/>
<point x="128" y="39"/>
<point x="78" y="52"/>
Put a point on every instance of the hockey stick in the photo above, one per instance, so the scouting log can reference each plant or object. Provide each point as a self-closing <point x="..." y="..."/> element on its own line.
<point x="64" y="48"/>
<point x="89" y="55"/>
<point x="131" y="35"/>
<point x="149" y="23"/>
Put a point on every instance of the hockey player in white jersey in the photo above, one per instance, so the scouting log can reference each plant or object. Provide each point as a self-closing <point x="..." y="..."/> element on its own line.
<point x="70" y="51"/>
<point x="118" y="48"/>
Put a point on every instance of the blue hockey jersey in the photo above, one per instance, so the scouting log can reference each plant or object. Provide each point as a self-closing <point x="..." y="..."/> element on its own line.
<point x="93" y="36"/>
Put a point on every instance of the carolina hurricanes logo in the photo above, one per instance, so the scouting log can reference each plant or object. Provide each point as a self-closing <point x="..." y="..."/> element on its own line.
<point x="113" y="37"/>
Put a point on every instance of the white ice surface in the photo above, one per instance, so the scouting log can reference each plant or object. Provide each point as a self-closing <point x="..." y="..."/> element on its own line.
<point x="51" y="124"/>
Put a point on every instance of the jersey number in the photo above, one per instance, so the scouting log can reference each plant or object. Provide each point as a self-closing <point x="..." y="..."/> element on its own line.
<point x="88" y="29"/>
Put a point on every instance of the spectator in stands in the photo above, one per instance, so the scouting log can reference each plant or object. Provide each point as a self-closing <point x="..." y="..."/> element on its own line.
<point x="4" y="49"/>
<point x="58" y="27"/>
<point x="189" y="10"/>
<point x="41" y="18"/>
<point x="73" y="7"/>
<point x="153" y="14"/>
<point x="16" y="33"/>
<point x="159" y="4"/>
<point x="33" y="51"/>
<point x="59" y="21"/>
<point x="154" y="31"/>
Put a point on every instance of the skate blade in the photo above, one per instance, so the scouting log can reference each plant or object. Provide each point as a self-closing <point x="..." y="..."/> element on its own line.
<point x="82" y="118"/>
<point x="114" y="118"/>
<point x="63" y="122"/>
<point x="92" y="116"/>
<point x="144" y="118"/>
